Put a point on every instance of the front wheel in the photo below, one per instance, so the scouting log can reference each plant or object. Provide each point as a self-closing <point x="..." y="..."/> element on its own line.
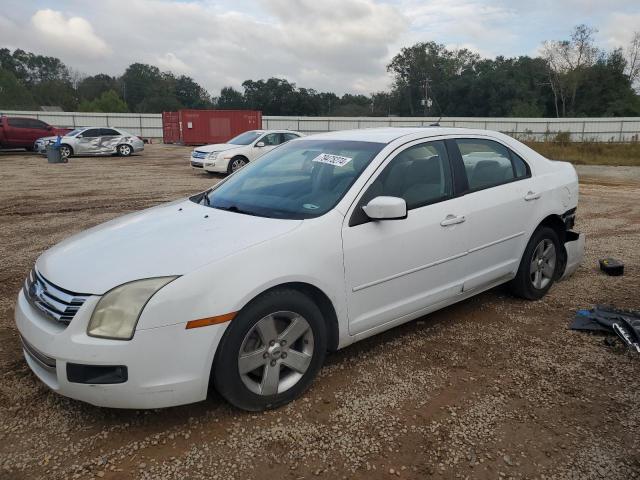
<point x="65" y="151"/>
<point x="235" y="164"/>
<point x="271" y="351"/>
<point x="538" y="266"/>
<point x="124" y="150"/>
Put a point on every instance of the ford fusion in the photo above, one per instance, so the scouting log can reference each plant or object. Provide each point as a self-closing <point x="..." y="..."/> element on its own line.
<point x="321" y="242"/>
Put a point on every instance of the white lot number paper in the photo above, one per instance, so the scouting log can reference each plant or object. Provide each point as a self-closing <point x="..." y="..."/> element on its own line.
<point x="335" y="160"/>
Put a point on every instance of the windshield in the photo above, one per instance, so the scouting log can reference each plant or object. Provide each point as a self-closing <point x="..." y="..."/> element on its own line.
<point x="245" y="138"/>
<point x="300" y="179"/>
<point x="73" y="133"/>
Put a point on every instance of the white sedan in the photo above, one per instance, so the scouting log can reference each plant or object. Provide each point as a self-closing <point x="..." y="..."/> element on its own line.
<point x="320" y="243"/>
<point x="237" y="152"/>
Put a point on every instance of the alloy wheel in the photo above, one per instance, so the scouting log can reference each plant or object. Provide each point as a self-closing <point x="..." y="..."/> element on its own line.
<point x="275" y="353"/>
<point x="543" y="264"/>
<point x="237" y="164"/>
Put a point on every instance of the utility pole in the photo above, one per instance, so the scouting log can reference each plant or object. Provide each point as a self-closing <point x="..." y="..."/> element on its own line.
<point x="426" y="102"/>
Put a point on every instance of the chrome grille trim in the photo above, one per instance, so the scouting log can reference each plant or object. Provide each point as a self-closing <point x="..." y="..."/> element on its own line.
<point x="37" y="356"/>
<point x="54" y="302"/>
<point x="199" y="154"/>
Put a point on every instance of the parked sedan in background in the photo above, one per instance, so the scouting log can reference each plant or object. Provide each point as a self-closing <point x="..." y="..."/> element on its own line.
<point x="96" y="141"/>
<point x="318" y="244"/>
<point x="22" y="132"/>
<point x="237" y="152"/>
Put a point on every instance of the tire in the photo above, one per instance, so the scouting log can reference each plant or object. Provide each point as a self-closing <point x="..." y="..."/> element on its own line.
<point x="239" y="162"/>
<point x="66" y="151"/>
<point x="124" y="150"/>
<point x="539" y="265"/>
<point x="245" y="345"/>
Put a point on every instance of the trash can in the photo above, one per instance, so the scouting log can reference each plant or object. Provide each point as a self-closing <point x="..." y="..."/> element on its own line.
<point x="54" y="155"/>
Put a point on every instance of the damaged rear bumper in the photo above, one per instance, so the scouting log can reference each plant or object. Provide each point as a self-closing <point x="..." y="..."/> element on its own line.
<point x="574" y="247"/>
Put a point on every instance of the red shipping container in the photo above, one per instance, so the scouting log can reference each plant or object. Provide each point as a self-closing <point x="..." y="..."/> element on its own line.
<point x="202" y="127"/>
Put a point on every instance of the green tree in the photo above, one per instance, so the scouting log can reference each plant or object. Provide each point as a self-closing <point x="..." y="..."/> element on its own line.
<point x="230" y="99"/>
<point x="90" y="88"/>
<point x="109" y="101"/>
<point x="13" y="94"/>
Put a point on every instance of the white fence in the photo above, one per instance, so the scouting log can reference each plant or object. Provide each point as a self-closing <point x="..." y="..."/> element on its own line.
<point x="580" y="129"/>
<point x="624" y="129"/>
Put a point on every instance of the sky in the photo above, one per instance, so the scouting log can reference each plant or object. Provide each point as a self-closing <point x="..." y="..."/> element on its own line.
<point x="330" y="45"/>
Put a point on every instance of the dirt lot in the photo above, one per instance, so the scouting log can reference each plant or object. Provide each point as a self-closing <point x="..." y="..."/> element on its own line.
<point x="492" y="387"/>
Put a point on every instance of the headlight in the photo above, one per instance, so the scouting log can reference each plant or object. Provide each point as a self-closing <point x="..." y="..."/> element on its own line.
<point x="212" y="155"/>
<point x="117" y="312"/>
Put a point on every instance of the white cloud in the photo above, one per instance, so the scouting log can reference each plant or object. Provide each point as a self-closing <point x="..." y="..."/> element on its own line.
<point x="71" y="35"/>
<point x="169" y="61"/>
<point x="619" y="29"/>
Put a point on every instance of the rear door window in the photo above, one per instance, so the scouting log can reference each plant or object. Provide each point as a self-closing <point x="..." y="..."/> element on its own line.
<point x="488" y="163"/>
<point x="36" y="124"/>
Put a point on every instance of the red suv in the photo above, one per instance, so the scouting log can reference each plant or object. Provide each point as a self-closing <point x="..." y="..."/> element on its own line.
<point x="21" y="132"/>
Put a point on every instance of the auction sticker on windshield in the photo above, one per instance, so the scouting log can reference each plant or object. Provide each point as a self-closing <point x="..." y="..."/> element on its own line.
<point x="335" y="160"/>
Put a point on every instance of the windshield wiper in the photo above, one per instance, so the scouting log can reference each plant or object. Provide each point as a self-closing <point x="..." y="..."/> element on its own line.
<point x="235" y="209"/>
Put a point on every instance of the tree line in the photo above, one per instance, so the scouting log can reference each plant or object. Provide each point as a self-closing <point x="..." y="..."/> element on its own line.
<point x="571" y="77"/>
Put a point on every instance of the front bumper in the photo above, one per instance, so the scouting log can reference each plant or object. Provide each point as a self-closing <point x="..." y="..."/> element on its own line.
<point x="574" y="246"/>
<point x="167" y="366"/>
<point x="219" y="165"/>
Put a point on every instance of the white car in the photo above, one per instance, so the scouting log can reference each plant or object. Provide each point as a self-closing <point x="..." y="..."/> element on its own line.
<point x="237" y="152"/>
<point x="95" y="141"/>
<point x="320" y="243"/>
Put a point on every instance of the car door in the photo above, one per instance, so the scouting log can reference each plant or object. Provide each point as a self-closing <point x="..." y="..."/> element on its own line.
<point x="88" y="142"/>
<point x="108" y="140"/>
<point x="397" y="268"/>
<point x="500" y="205"/>
<point x="268" y="142"/>
<point x="18" y="132"/>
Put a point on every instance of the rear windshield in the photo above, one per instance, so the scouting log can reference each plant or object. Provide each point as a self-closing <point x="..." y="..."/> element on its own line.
<point x="299" y="179"/>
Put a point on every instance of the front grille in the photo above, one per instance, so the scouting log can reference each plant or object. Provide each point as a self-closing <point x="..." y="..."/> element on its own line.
<point x="37" y="356"/>
<point x="199" y="154"/>
<point x="197" y="165"/>
<point x="56" y="303"/>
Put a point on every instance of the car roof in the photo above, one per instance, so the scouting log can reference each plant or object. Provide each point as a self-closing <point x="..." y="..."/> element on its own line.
<point x="389" y="134"/>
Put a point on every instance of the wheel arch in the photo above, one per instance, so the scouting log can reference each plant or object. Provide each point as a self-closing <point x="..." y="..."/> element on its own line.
<point x="323" y="302"/>
<point x="555" y="222"/>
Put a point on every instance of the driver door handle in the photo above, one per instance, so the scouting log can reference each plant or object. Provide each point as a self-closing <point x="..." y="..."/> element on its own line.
<point x="531" y="196"/>
<point x="452" y="220"/>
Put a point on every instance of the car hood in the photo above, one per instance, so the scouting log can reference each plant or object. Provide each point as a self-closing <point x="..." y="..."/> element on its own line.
<point x="170" y="239"/>
<point x="218" y="147"/>
<point x="47" y="139"/>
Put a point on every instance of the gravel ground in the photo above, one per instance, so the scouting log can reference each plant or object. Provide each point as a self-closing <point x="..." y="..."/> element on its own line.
<point x="489" y="388"/>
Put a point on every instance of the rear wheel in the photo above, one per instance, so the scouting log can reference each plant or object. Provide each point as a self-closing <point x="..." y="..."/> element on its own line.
<point x="271" y="351"/>
<point x="124" y="150"/>
<point x="538" y="266"/>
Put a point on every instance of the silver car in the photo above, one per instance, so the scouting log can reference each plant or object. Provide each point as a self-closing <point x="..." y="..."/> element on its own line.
<point x="95" y="141"/>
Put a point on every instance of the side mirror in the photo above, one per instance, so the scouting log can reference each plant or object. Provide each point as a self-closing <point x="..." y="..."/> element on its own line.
<point x="49" y="127"/>
<point x="260" y="144"/>
<point x="386" y="208"/>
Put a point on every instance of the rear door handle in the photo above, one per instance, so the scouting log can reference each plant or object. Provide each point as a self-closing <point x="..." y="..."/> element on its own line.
<point x="452" y="220"/>
<point x="531" y="196"/>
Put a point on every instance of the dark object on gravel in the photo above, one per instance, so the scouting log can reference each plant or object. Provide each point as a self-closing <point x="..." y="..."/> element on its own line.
<point x="624" y="323"/>
<point x="612" y="267"/>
